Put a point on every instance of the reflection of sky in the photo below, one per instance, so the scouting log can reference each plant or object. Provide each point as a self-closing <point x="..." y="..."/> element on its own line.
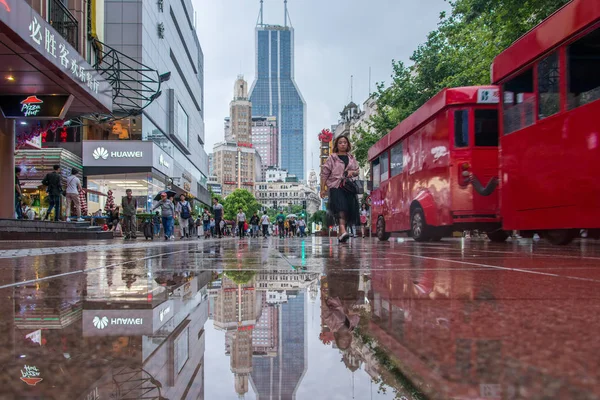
<point x="326" y="377"/>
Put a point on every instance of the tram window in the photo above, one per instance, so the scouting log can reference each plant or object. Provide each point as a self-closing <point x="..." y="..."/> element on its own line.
<point x="486" y="128"/>
<point x="583" y="58"/>
<point x="461" y="128"/>
<point x="375" y="173"/>
<point x="518" y="102"/>
<point x="548" y="86"/>
<point x="396" y="164"/>
<point x="384" y="165"/>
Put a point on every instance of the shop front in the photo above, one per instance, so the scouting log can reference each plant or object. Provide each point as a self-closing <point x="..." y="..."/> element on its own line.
<point x="42" y="77"/>
<point x="35" y="164"/>
<point x="112" y="167"/>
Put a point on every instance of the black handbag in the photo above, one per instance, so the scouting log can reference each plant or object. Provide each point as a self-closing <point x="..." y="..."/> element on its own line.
<point x="353" y="186"/>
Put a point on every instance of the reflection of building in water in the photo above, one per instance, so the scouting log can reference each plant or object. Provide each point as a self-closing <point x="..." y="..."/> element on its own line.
<point x="285" y="279"/>
<point x="266" y="330"/>
<point x="236" y="312"/>
<point x="278" y="376"/>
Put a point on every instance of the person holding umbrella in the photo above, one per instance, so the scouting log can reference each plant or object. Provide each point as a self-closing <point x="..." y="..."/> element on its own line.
<point x="167" y="212"/>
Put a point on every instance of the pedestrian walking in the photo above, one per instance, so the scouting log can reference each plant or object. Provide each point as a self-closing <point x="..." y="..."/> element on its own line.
<point x="254" y="222"/>
<point x="343" y="205"/>
<point x="18" y="194"/>
<point x="168" y="215"/>
<point x="364" y="218"/>
<point x="206" y="224"/>
<point x="281" y="224"/>
<point x="302" y="226"/>
<point x="53" y="185"/>
<point x="184" y="211"/>
<point x="212" y="227"/>
<point x="241" y="222"/>
<point x="156" y="224"/>
<point x="218" y="212"/>
<point x="199" y="225"/>
<point x="129" y="206"/>
<point x="73" y="189"/>
<point x="264" y="221"/>
<point x="292" y="227"/>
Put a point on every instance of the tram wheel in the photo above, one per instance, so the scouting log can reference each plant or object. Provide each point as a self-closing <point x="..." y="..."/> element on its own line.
<point x="381" y="233"/>
<point x="560" y="237"/>
<point x="497" y="236"/>
<point x="418" y="226"/>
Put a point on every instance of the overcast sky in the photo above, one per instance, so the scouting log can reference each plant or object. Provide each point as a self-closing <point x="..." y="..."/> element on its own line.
<point x="334" y="39"/>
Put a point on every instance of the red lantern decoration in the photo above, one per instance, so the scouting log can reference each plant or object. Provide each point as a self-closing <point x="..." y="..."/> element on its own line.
<point x="325" y="136"/>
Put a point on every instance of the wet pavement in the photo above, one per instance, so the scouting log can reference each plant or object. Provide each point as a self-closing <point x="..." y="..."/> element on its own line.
<point x="304" y="319"/>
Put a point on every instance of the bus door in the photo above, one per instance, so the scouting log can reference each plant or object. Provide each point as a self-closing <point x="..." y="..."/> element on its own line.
<point x="462" y="195"/>
<point x="484" y="157"/>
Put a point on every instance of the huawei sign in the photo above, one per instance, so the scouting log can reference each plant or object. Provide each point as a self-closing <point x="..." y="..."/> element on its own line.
<point x="100" y="153"/>
<point x="103" y="322"/>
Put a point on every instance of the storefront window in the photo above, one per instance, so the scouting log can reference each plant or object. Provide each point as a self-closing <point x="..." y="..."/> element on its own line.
<point x="143" y="185"/>
<point x="122" y="129"/>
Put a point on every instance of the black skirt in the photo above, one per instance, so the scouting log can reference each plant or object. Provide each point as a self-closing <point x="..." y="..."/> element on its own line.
<point x="342" y="201"/>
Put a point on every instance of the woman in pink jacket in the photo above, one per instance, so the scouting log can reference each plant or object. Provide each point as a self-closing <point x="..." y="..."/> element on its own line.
<point x="342" y="204"/>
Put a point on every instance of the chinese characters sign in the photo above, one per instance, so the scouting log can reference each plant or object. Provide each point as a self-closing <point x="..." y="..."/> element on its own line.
<point x="23" y="24"/>
<point x="36" y="106"/>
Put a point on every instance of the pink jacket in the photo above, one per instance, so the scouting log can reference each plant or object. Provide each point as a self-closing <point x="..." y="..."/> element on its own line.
<point x="332" y="171"/>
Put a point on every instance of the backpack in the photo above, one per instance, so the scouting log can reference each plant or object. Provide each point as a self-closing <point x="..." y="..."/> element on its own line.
<point x="185" y="212"/>
<point x="279" y="220"/>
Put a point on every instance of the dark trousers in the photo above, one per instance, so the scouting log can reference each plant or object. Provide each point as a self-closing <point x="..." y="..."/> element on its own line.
<point x="18" y="208"/>
<point x="265" y="229"/>
<point x="281" y="229"/>
<point x="129" y="226"/>
<point x="54" y="204"/>
<point x="241" y="229"/>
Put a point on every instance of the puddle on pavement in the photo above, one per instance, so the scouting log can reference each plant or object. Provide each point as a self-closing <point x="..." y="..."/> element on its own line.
<point x="275" y="323"/>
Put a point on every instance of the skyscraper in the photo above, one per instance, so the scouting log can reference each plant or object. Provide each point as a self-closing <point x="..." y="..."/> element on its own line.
<point x="275" y="93"/>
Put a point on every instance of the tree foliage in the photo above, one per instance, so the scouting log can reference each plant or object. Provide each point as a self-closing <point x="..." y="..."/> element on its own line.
<point x="240" y="198"/>
<point x="458" y="53"/>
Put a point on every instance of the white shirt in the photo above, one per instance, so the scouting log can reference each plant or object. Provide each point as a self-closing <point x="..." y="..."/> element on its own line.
<point x="241" y="217"/>
<point x="264" y="220"/>
<point x="73" y="184"/>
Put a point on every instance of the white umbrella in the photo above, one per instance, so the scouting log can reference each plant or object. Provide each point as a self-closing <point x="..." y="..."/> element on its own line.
<point x="292" y="216"/>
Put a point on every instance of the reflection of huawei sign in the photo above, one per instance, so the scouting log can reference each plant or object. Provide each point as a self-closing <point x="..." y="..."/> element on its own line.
<point x="100" y="152"/>
<point x="103" y="322"/>
<point x="100" y="323"/>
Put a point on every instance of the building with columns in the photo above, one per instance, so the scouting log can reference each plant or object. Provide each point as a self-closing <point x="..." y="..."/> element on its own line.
<point x="285" y="194"/>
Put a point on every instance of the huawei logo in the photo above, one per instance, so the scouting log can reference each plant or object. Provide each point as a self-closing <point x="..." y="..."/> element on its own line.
<point x="100" y="323"/>
<point x="100" y="152"/>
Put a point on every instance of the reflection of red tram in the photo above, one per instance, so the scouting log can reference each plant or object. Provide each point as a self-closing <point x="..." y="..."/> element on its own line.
<point x="547" y="165"/>
<point x="421" y="170"/>
<point x="478" y="335"/>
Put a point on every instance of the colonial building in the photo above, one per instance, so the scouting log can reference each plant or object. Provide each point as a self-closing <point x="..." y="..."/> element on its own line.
<point x="236" y="163"/>
<point x="285" y="194"/>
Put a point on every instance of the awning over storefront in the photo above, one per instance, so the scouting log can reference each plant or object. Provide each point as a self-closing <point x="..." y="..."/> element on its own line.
<point x="36" y="60"/>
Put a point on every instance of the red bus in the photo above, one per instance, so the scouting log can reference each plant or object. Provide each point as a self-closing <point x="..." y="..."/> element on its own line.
<point x="550" y="126"/>
<point x="423" y="169"/>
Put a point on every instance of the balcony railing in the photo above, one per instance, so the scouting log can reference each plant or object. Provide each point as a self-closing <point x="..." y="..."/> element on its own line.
<point x="64" y="22"/>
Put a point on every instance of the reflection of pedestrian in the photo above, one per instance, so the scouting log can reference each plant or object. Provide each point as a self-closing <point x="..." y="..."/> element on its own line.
<point x="18" y="194"/>
<point x="340" y="321"/>
<point x="54" y="186"/>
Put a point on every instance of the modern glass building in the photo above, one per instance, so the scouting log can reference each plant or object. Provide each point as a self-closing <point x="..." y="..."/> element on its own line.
<point x="275" y="93"/>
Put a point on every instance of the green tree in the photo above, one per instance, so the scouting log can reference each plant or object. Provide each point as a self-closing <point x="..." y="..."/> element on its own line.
<point x="320" y="217"/>
<point x="458" y="53"/>
<point x="240" y="277"/>
<point x="240" y="198"/>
